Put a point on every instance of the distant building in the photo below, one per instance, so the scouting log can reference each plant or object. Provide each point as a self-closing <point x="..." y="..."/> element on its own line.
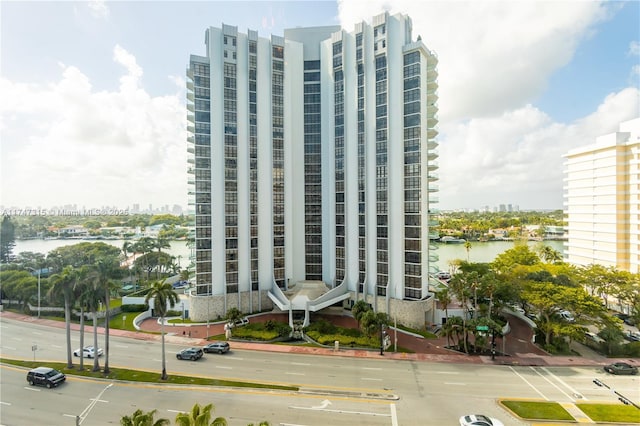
<point x="313" y="159"/>
<point x="602" y="200"/>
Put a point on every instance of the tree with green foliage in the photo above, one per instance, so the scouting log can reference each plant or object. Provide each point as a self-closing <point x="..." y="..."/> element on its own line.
<point x="62" y="285"/>
<point x="233" y="314"/>
<point x="613" y="336"/>
<point x="164" y="297"/>
<point x="372" y="322"/>
<point x="358" y="310"/>
<point x="200" y="416"/>
<point x="140" y="418"/>
<point x="520" y="254"/>
<point x="104" y="271"/>
<point x="7" y="239"/>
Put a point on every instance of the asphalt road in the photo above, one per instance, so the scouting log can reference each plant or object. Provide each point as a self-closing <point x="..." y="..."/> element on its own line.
<point x="428" y="393"/>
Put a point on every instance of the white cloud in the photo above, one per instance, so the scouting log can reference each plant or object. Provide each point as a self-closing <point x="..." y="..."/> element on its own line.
<point x="634" y="48"/>
<point x="66" y="143"/>
<point x="516" y="157"/>
<point x="495" y="55"/>
<point x="99" y="9"/>
<point x="494" y="59"/>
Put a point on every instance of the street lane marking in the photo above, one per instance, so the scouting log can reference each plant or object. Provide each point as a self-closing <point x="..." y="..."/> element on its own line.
<point x="224" y="368"/>
<point x="447" y="372"/>
<point x="294" y="374"/>
<point x="394" y="415"/>
<point x="32" y="389"/>
<point x="372" y="368"/>
<point x="552" y="384"/>
<point x="577" y="394"/>
<point x="300" y="363"/>
<point x="372" y="379"/>
<point x="9" y="347"/>
<point x="455" y="383"/>
<point x="527" y="382"/>
<point x="4" y="403"/>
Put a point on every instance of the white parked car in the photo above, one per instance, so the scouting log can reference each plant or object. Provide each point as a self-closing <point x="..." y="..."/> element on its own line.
<point x="87" y="352"/>
<point x="567" y="316"/>
<point x="479" y="420"/>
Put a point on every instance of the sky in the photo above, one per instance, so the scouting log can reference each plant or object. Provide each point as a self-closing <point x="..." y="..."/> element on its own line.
<point x="92" y="94"/>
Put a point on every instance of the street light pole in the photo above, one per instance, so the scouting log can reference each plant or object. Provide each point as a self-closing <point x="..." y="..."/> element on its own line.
<point x="39" y="292"/>
<point x="208" y="300"/>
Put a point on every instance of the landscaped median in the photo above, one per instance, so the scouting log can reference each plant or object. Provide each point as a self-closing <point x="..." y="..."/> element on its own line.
<point x="144" y="376"/>
<point x="546" y="411"/>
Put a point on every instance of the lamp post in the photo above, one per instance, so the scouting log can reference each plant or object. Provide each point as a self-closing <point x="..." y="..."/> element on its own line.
<point x="39" y="293"/>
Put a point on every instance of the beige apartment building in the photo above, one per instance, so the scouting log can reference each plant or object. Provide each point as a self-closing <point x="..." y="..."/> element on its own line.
<point x="602" y="200"/>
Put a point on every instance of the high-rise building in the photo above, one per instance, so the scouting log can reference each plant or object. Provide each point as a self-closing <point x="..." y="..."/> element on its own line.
<point x="602" y="200"/>
<point x="312" y="169"/>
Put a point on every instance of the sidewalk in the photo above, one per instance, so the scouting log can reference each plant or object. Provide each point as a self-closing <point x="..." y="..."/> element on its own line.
<point x="518" y="343"/>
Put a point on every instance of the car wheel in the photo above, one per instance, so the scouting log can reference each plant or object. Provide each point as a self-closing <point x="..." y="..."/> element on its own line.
<point x="89" y="356"/>
<point x="178" y="356"/>
<point x="31" y="382"/>
<point x="75" y="354"/>
<point x="220" y="351"/>
<point x="193" y="358"/>
<point x="48" y="385"/>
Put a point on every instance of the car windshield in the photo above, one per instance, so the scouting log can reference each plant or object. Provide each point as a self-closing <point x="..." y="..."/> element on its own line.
<point x="51" y="373"/>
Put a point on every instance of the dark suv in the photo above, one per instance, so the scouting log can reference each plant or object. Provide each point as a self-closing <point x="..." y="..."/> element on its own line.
<point x="190" y="353"/>
<point x="45" y="376"/>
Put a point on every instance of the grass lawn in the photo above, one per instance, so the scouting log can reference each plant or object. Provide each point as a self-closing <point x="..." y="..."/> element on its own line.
<point x="611" y="413"/>
<point x="535" y="410"/>
<point x="123" y="321"/>
<point x="142" y="376"/>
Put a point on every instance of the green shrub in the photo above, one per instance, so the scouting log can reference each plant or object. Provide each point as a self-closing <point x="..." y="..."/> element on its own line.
<point x="135" y="308"/>
<point x="323" y="327"/>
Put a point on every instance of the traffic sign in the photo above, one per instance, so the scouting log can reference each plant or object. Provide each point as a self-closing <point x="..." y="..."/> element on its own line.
<point x="482" y="328"/>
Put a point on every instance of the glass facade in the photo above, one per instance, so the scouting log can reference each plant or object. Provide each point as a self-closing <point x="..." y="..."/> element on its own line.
<point x="312" y="172"/>
<point x="412" y="177"/>
<point x="253" y="160"/>
<point x="338" y="98"/>
<point x="382" y="183"/>
<point x="362" y="179"/>
<point x="277" y="127"/>
<point x="199" y="73"/>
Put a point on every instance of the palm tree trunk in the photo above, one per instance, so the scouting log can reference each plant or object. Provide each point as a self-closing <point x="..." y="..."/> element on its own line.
<point x="106" y="330"/>
<point x="96" y="364"/>
<point x="67" y="320"/>
<point x="164" y="365"/>
<point x="81" y="337"/>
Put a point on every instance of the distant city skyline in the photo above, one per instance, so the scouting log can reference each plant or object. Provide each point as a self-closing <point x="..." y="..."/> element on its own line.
<point x="95" y="115"/>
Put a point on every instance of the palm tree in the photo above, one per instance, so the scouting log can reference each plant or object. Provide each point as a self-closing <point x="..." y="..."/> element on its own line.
<point x="200" y="416"/>
<point x="91" y="298"/>
<point x="163" y="296"/>
<point x="63" y="284"/>
<point x="104" y="270"/>
<point x="460" y="286"/>
<point x="467" y="247"/>
<point x="127" y="248"/>
<point x="79" y="290"/>
<point x="162" y="243"/>
<point x="445" y="299"/>
<point x="358" y="310"/>
<point x="140" y="418"/>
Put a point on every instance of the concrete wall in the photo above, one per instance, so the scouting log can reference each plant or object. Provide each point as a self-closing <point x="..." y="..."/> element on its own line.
<point x="214" y="306"/>
<point x="411" y="313"/>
